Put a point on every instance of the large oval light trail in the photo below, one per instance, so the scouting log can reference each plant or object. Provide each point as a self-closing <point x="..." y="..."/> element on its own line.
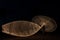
<point x="20" y="28"/>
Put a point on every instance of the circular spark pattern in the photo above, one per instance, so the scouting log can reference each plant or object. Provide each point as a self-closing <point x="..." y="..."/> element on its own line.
<point x="20" y="28"/>
<point x="50" y="24"/>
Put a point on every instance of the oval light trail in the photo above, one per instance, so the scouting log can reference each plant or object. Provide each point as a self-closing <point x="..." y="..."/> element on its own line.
<point x="49" y="23"/>
<point x="21" y="28"/>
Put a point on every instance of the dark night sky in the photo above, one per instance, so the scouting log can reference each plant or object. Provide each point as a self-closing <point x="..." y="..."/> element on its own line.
<point x="23" y="10"/>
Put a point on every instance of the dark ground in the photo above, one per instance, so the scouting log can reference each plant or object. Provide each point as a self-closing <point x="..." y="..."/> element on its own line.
<point x="15" y="11"/>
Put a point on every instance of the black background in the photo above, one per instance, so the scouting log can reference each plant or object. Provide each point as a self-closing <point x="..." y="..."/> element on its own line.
<point x="23" y="10"/>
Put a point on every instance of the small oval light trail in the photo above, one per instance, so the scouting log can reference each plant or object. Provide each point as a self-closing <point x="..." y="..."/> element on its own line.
<point x="49" y="23"/>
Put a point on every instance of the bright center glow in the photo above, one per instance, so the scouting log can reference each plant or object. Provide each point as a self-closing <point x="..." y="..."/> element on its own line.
<point x="43" y="24"/>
